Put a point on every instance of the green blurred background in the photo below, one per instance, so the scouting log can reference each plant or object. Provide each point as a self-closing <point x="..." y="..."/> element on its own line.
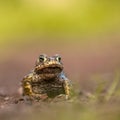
<point x="86" y="33"/>
<point x="56" y="18"/>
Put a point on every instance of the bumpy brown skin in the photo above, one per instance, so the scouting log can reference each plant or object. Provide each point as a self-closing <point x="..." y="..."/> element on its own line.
<point x="47" y="79"/>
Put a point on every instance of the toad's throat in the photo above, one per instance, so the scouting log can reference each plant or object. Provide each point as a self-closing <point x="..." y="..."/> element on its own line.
<point x="49" y="70"/>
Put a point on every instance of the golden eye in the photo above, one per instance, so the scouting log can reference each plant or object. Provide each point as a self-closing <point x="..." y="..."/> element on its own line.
<point x="42" y="58"/>
<point x="58" y="58"/>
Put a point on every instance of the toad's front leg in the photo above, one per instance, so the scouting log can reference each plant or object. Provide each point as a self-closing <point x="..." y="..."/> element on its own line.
<point x="67" y="89"/>
<point x="27" y="87"/>
<point x="66" y="85"/>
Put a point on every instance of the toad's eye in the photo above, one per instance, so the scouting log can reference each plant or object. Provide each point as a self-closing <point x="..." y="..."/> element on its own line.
<point x="58" y="58"/>
<point x="42" y="58"/>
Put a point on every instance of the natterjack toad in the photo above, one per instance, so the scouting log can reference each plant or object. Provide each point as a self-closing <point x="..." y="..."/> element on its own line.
<point x="46" y="79"/>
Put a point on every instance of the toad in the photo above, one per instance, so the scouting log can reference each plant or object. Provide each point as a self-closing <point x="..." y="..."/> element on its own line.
<point x="47" y="79"/>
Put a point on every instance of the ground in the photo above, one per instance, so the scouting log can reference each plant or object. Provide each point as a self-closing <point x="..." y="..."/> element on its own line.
<point x="92" y="69"/>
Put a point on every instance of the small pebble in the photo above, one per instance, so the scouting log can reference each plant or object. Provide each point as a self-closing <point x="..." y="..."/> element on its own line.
<point x="6" y="98"/>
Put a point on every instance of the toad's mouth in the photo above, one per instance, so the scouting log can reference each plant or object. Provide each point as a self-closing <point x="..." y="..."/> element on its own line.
<point x="49" y="70"/>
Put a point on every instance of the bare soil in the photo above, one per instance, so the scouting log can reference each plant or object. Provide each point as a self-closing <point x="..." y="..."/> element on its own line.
<point x="82" y="64"/>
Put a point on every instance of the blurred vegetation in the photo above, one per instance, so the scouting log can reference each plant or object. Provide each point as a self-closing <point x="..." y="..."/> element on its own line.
<point x="55" y="18"/>
<point x="72" y="18"/>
